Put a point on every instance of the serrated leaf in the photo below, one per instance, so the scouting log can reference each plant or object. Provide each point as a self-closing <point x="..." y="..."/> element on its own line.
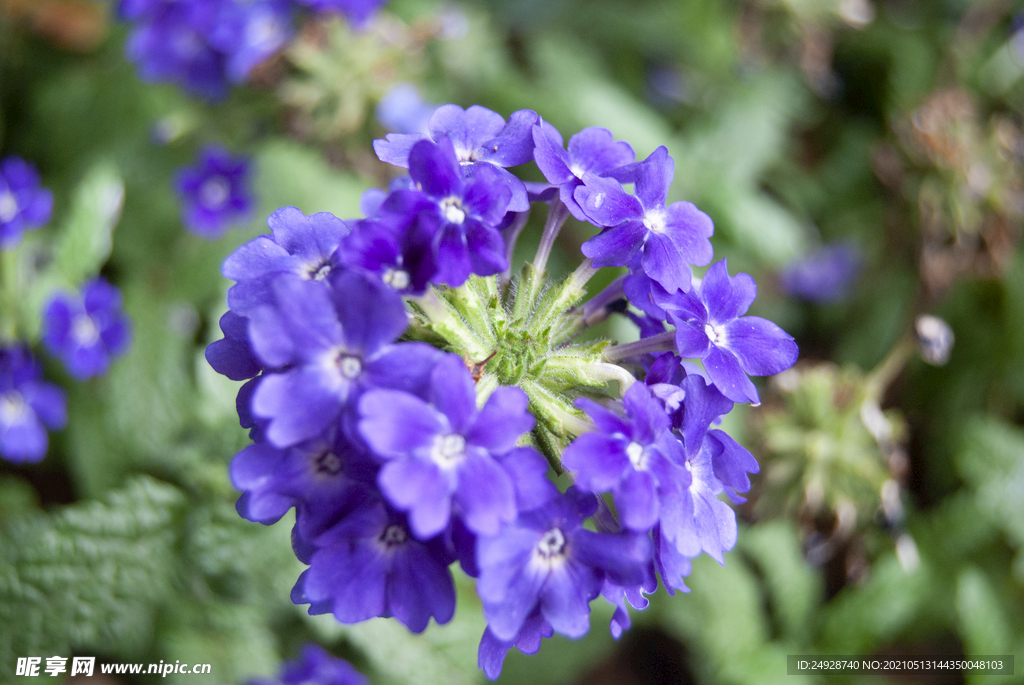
<point x="88" y="577"/>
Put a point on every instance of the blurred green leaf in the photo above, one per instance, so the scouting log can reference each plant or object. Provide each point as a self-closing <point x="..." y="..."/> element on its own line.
<point x="90" y="576"/>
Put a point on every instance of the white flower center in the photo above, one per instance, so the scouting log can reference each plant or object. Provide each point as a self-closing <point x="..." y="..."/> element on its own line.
<point x="552" y="544"/>
<point x="635" y="452"/>
<point x="398" y="279"/>
<point x="448" y="449"/>
<point x="12" y="407"/>
<point x="8" y="206"/>
<point x="350" y="366"/>
<point x="451" y="208"/>
<point x="84" y="331"/>
<point x="715" y="335"/>
<point x="654" y="220"/>
<point x="577" y="171"/>
<point x="214" y="192"/>
<point x="317" y="271"/>
<point x="394" y="535"/>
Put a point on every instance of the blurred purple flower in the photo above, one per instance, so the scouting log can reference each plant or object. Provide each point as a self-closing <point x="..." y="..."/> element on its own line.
<point x="28" y="406"/>
<point x="24" y="203"/>
<point x="215" y="192"/>
<point x="402" y="110"/>
<point x="825" y="275"/>
<point x="86" y="331"/>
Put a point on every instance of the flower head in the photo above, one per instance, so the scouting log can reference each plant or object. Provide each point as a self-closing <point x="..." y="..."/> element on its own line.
<point x="86" y="331"/>
<point x="214" y="193"/>
<point x="24" y="203"/>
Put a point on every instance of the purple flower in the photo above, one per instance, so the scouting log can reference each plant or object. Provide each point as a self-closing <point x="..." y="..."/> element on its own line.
<point x="480" y="139"/>
<point x="442" y="453"/>
<point x="331" y="344"/>
<point x="668" y="238"/>
<point x="635" y="457"/>
<point x="24" y="203"/>
<point x="215" y="193"/>
<point x="546" y="560"/>
<point x="317" y="667"/>
<point x="402" y="110"/>
<point x="702" y="521"/>
<point x="633" y="595"/>
<point x="87" y="331"/>
<point x="170" y="44"/>
<point x="825" y="275"/>
<point x="27" y="406"/>
<point x="301" y="245"/>
<point x="464" y="212"/>
<point x="593" y="150"/>
<point x="396" y="247"/>
<point x="356" y="11"/>
<point x="369" y="564"/>
<point x="671" y="564"/>
<point x="323" y="478"/>
<point x="710" y="326"/>
<point x="250" y="31"/>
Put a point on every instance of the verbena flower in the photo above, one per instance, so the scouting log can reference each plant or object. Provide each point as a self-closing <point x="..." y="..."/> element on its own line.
<point x="370" y="564"/>
<point x="205" y="45"/>
<point x="24" y="203"/>
<point x="402" y="457"/>
<point x="87" y="331"/>
<point x="668" y="238"/>
<point x="480" y="138"/>
<point x="635" y="457"/>
<point x="546" y="560"/>
<point x="28" y="406"/>
<point x="591" y="151"/>
<point x="304" y="246"/>
<point x="403" y="110"/>
<point x="214" y="193"/>
<point x="441" y="452"/>
<point x="316" y="667"/>
<point x="710" y="326"/>
<point x="330" y="344"/>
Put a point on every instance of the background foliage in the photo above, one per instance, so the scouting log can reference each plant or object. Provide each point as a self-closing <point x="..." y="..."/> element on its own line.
<point x="892" y="124"/>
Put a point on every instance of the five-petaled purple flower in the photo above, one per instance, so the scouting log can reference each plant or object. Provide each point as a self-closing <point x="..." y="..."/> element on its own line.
<point x="370" y="564"/>
<point x="480" y="139"/>
<point x="635" y="457"/>
<point x="591" y="151"/>
<point x="330" y="344"/>
<point x="215" y="193"/>
<point x="86" y="331"/>
<point x="443" y="451"/>
<point x="710" y="326"/>
<point x="668" y="238"/>
<point x="28" y="406"/>
<point x="546" y="560"/>
<point x="24" y="203"/>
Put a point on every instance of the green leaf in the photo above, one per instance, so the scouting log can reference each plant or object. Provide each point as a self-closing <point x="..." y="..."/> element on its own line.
<point x="85" y="239"/>
<point x="89" y="577"/>
<point x="288" y="174"/>
<point x="983" y="622"/>
<point x="990" y="460"/>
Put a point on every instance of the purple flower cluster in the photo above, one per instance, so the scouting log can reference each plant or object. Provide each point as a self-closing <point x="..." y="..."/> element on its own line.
<point x="24" y="203"/>
<point x="205" y="45"/>
<point x="316" y="667"/>
<point x="399" y="461"/>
